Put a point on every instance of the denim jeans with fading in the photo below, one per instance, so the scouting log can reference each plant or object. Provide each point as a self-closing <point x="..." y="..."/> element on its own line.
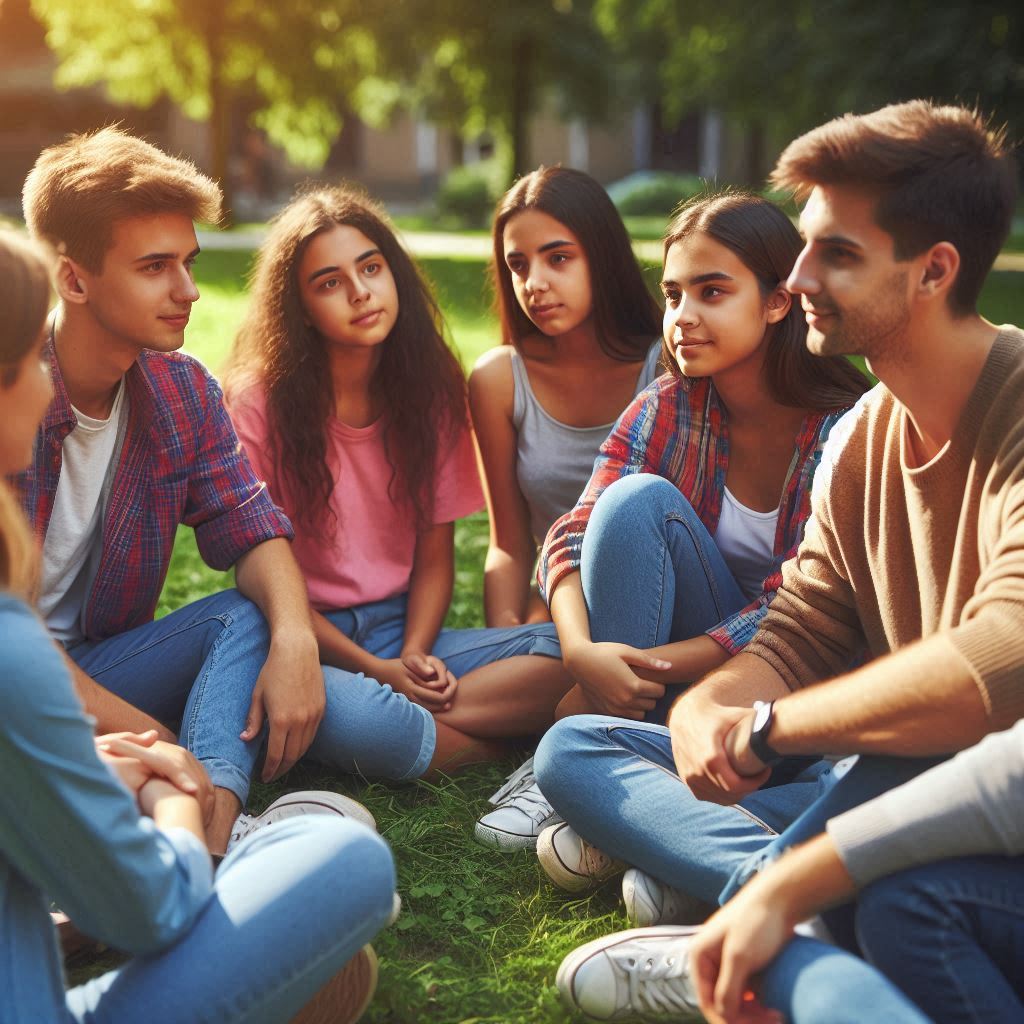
<point x="198" y="665"/>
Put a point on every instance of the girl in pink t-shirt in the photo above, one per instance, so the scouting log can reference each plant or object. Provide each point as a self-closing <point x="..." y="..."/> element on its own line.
<point x="353" y="408"/>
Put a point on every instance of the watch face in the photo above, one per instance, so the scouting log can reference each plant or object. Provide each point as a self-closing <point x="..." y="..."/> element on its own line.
<point x="761" y="715"/>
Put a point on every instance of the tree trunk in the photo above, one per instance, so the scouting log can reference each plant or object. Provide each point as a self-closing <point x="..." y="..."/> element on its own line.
<point x="220" y="109"/>
<point x="521" y="105"/>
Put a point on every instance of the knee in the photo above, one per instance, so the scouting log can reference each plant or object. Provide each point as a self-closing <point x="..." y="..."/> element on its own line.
<point x="636" y="499"/>
<point x="556" y="764"/>
<point x="242" y="617"/>
<point x="894" y="912"/>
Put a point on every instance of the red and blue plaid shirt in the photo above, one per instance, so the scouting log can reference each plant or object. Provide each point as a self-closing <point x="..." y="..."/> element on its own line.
<point x="180" y="463"/>
<point x="677" y="429"/>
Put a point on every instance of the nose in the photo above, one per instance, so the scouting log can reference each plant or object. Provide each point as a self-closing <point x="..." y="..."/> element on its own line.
<point x="535" y="279"/>
<point x="686" y="314"/>
<point x="802" y="278"/>
<point x="185" y="289"/>
<point x="358" y="290"/>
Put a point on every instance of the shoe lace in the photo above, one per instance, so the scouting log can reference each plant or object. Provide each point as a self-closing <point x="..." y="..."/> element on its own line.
<point x="657" y="984"/>
<point x="593" y="860"/>
<point x="521" y="778"/>
<point x="243" y="825"/>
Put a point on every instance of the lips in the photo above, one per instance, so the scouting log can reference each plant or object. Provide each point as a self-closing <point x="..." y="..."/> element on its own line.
<point x="367" y="319"/>
<point x="177" y="320"/>
<point x="545" y="310"/>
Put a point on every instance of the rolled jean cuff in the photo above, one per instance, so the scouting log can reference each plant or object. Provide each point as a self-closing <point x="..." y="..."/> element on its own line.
<point x="429" y="741"/>
<point x="225" y="775"/>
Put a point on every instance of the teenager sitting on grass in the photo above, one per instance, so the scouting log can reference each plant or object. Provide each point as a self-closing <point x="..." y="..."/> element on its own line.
<point x="352" y="406"/>
<point x="135" y="442"/>
<point x="580" y="335"/>
<point x="670" y="557"/>
<point x="915" y="550"/>
<point x="112" y="827"/>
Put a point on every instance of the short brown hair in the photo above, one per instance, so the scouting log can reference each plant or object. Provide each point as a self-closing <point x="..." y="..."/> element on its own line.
<point x="942" y="174"/>
<point x="80" y="188"/>
<point x="24" y="299"/>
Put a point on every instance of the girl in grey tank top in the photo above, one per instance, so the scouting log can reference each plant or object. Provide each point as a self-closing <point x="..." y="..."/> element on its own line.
<point x="579" y="324"/>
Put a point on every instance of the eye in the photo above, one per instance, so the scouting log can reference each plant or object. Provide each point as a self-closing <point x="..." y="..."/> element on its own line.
<point x="712" y="291"/>
<point x="558" y="258"/>
<point x="516" y="266"/>
<point x="330" y="284"/>
<point x="839" y="254"/>
<point x="672" y="297"/>
<point x="155" y="267"/>
<point x="371" y="268"/>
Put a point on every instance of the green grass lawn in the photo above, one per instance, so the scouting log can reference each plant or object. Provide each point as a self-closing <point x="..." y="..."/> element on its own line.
<point x="481" y="934"/>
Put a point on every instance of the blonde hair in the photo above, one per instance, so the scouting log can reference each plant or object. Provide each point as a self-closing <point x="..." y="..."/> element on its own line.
<point x="24" y="298"/>
<point x="79" y="189"/>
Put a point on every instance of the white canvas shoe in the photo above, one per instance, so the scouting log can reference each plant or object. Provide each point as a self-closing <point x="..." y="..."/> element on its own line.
<point x="650" y="902"/>
<point x="313" y="801"/>
<point x="520" y="813"/>
<point x="641" y="974"/>
<point x="571" y="862"/>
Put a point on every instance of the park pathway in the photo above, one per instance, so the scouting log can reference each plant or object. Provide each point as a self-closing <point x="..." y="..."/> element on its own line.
<point x="453" y="245"/>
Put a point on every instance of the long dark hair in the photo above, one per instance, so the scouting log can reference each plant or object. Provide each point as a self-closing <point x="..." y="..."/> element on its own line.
<point x="418" y="378"/>
<point x="764" y="239"/>
<point x="626" y="316"/>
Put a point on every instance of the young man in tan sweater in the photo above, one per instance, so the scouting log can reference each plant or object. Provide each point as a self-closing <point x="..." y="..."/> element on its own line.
<point x="912" y="566"/>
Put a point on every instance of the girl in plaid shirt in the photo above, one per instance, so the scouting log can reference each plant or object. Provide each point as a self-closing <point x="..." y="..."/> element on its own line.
<point x="669" y="559"/>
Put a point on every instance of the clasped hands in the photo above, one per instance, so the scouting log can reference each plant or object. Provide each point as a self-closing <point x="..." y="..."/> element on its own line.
<point x="145" y="765"/>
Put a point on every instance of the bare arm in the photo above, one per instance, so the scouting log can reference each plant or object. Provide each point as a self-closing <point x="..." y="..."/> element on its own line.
<point x="290" y="687"/>
<point x="748" y="932"/>
<point x="508" y="568"/>
<point x="112" y="714"/>
<point x="918" y="701"/>
<point x="430" y="587"/>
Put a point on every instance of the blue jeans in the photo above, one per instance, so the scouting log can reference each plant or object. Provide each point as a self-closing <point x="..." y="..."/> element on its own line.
<point x="811" y="982"/>
<point x="951" y="936"/>
<point x="291" y="904"/>
<point x="651" y="572"/>
<point x="198" y="665"/>
<point x="615" y="782"/>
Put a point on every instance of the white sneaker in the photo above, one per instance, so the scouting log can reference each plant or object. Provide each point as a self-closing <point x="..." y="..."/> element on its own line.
<point x="650" y="902"/>
<point x="571" y="862"/>
<point x="520" y="813"/>
<point x="314" y="801"/>
<point x="642" y="974"/>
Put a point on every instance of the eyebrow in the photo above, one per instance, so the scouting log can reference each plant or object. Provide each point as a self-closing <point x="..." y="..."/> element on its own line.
<point x="835" y="240"/>
<point x="559" y="243"/>
<point x="335" y="269"/>
<point x="152" y="257"/>
<point x="713" y="275"/>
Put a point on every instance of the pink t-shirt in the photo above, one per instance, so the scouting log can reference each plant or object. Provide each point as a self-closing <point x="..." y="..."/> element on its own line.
<point x="369" y="556"/>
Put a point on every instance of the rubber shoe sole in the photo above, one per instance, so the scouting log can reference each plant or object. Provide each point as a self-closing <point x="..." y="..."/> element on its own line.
<point x="344" y="999"/>
<point x="324" y="801"/>
<point x="505" y="842"/>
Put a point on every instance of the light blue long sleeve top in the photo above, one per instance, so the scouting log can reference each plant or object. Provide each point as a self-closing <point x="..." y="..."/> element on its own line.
<point x="71" y="833"/>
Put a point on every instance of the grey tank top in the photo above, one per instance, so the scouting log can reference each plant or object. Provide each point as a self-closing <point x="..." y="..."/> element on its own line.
<point x="554" y="461"/>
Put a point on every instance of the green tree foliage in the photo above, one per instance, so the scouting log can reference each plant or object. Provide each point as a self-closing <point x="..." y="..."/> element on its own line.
<point x="795" y="63"/>
<point x="299" y="65"/>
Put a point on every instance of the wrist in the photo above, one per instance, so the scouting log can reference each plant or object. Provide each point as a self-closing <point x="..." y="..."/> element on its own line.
<point x="737" y="746"/>
<point x="294" y="636"/>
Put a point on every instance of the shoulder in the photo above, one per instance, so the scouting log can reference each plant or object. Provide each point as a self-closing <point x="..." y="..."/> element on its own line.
<point x="178" y="379"/>
<point x="30" y="661"/>
<point x="843" y="436"/>
<point x="492" y="378"/>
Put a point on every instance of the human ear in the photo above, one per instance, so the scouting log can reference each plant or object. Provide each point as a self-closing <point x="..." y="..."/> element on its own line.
<point x="939" y="268"/>
<point x="778" y="304"/>
<point x="70" y="282"/>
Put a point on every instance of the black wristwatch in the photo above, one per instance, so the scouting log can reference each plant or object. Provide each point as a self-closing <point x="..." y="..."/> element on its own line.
<point x="763" y="717"/>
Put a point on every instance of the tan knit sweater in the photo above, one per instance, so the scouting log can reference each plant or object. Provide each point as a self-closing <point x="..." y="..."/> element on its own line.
<point x="892" y="555"/>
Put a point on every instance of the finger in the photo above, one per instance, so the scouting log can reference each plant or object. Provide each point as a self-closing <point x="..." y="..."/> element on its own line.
<point x="641" y="659"/>
<point x="142" y="739"/>
<point x="276" y="741"/>
<point x="419" y="664"/>
<point x="732" y="981"/>
<point x="254" y="719"/>
<point x="703" y="974"/>
<point x="628" y="712"/>
<point x="646" y="688"/>
<point x="161" y="763"/>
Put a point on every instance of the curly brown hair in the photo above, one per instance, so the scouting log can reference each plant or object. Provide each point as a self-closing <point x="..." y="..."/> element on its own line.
<point x="418" y="378"/>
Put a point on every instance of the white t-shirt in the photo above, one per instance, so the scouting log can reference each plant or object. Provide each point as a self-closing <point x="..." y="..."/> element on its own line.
<point x="74" y="538"/>
<point x="746" y="540"/>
